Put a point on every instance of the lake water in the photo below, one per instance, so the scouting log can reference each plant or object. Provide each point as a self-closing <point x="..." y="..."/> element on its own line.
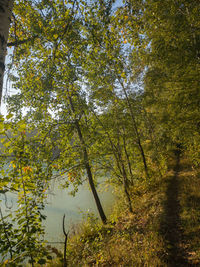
<point x="60" y="202"/>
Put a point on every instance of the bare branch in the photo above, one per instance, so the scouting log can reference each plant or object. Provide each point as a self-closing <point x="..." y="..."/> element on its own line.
<point x="65" y="244"/>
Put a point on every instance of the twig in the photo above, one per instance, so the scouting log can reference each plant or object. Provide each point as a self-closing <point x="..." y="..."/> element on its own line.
<point x="19" y="42"/>
<point x="65" y="244"/>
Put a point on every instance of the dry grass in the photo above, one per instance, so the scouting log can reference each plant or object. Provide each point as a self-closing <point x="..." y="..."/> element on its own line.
<point x="138" y="239"/>
<point x="129" y="240"/>
<point x="190" y="214"/>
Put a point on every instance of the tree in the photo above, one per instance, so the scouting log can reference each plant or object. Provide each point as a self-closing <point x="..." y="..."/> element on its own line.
<point x="26" y="176"/>
<point x="55" y="81"/>
<point x="6" y="7"/>
<point x="109" y="68"/>
<point x="109" y="89"/>
<point x="166" y="51"/>
<point x="173" y="76"/>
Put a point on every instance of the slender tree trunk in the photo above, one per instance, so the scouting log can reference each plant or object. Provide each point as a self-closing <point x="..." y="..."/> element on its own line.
<point x="120" y="165"/>
<point x="138" y="139"/>
<point x="65" y="244"/>
<point x="127" y="157"/>
<point x="88" y="168"/>
<point x="143" y="158"/>
<point x="89" y="174"/>
<point x="125" y="183"/>
<point x="124" y="174"/>
<point x="6" y="7"/>
<point x="153" y="140"/>
<point x="122" y="170"/>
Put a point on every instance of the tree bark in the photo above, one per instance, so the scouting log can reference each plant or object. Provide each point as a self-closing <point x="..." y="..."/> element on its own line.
<point x="88" y="168"/>
<point x="6" y="7"/>
<point x="89" y="174"/>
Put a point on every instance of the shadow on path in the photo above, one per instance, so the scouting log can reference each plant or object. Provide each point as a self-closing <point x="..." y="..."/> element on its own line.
<point x="170" y="224"/>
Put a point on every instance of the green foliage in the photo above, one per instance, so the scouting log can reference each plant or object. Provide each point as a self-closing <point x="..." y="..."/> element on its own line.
<point x="101" y="90"/>
<point x="172" y="63"/>
<point x="25" y="176"/>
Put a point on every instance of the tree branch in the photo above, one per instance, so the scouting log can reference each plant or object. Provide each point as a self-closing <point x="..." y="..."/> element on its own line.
<point x="19" y="42"/>
<point x="65" y="244"/>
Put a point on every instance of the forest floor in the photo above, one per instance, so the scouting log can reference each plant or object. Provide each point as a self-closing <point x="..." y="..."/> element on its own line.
<point x="174" y="224"/>
<point x="163" y="230"/>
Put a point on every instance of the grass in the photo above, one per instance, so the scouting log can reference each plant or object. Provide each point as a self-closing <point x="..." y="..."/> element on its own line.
<point x="162" y="224"/>
<point x="190" y="214"/>
<point x="127" y="240"/>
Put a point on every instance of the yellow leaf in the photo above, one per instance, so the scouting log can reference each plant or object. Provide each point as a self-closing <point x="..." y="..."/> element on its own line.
<point x="27" y="169"/>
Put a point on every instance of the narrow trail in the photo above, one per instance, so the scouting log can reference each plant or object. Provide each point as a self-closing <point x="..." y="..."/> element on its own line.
<point x="170" y="227"/>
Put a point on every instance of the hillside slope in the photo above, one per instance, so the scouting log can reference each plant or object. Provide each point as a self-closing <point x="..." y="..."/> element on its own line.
<point x="163" y="230"/>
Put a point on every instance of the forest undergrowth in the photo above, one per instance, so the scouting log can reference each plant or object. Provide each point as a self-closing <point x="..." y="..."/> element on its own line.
<point x="163" y="229"/>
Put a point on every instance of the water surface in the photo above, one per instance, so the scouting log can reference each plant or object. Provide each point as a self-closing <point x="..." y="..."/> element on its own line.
<point x="74" y="208"/>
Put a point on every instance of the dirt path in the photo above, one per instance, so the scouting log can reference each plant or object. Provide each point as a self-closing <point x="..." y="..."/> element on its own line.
<point x="170" y="225"/>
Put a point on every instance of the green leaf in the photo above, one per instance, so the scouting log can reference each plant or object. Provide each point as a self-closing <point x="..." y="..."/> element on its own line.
<point x="42" y="261"/>
<point x="9" y="116"/>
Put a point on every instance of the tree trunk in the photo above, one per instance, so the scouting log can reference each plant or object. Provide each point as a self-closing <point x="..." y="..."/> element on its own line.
<point x="125" y="184"/>
<point x="89" y="174"/>
<point x="138" y="139"/>
<point x="119" y="161"/>
<point x="6" y="7"/>
<point x="88" y="168"/>
<point x="127" y="156"/>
